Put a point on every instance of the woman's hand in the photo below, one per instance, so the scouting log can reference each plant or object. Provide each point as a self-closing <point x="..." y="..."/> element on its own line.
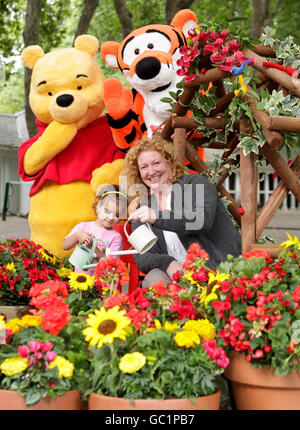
<point x="143" y="214"/>
<point x="173" y="267"/>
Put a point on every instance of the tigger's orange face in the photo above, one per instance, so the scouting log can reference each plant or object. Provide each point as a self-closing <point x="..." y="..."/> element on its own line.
<point x="148" y="56"/>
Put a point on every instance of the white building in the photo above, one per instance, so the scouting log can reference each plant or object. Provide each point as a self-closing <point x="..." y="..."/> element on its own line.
<point x="13" y="132"/>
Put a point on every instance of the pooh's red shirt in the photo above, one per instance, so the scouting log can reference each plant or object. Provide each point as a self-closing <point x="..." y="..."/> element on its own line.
<point x="92" y="147"/>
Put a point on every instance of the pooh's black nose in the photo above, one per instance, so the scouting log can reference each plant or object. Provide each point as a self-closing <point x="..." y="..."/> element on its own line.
<point x="65" y="100"/>
<point x="148" y="68"/>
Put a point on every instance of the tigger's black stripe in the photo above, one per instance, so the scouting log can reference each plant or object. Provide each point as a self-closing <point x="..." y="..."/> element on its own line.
<point x="181" y="37"/>
<point x="122" y="122"/>
<point x="157" y="31"/>
<point x="131" y="136"/>
<point x="143" y="127"/>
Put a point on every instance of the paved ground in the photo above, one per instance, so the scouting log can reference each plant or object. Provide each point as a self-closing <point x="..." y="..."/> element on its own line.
<point x="283" y="221"/>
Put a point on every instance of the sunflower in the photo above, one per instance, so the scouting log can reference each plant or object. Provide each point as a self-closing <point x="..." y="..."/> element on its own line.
<point x="63" y="272"/>
<point x="80" y="281"/>
<point x="106" y="325"/>
<point x="290" y="242"/>
<point x="46" y="255"/>
<point x="131" y="363"/>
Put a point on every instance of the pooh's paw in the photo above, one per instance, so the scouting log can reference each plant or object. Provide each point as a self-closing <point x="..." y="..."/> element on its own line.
<point x="108" y="174"/>
<point x="118" y="100"/>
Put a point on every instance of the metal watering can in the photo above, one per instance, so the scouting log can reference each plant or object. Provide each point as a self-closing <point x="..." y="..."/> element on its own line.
<point x="142" y="239"/>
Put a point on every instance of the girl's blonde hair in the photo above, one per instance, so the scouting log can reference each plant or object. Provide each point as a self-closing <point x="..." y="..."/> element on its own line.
<point x="156" y="143"/>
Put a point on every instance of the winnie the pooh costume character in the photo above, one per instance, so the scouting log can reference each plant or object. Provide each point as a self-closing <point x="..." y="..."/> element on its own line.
<point x="147" y="57"/>
<point x="72" y="143"/>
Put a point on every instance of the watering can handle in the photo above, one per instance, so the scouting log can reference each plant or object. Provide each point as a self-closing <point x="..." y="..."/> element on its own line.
<point x="94" y="245"/>
<point x="126" y="230"/>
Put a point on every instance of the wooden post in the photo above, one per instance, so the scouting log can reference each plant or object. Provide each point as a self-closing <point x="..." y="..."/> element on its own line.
<point x="179" y="144"/>
<point x="284" y="171"/>
<point x="276" y="75"/>
<point x="274" y="201"/>
<point x="249" y="177"/>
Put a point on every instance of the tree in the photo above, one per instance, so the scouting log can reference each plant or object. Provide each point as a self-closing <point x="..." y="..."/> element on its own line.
<point x="263" y="15"/>
<point x="87" y="14"/>
<point x="173" y="6"/>
<point x="124" y="15"/>
<point x="31" y="36"/>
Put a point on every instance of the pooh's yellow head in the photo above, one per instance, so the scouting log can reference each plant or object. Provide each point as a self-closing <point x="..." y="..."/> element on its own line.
<point x="66" y="84"/>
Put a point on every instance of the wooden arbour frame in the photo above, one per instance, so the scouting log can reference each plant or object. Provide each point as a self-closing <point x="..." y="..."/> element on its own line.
<point x="251" y="222"/>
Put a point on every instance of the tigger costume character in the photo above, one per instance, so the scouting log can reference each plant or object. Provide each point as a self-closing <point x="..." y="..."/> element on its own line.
<point x="147" y="57"/>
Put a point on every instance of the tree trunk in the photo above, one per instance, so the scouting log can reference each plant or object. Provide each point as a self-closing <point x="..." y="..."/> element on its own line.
<point x="31" y="36"/>
<point x="125" y="16"/>
<point x="262" y="15"/>
<point x="173" y="6"/>
<point x="89" y="9"/>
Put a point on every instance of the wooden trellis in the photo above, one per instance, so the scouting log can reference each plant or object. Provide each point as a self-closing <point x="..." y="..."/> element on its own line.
<point x="252" y="223"/>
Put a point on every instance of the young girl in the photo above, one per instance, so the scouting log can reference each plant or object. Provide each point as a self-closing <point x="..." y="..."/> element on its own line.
<point x="110" y="206"/>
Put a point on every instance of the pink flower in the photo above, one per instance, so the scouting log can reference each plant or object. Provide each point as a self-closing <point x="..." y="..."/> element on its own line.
<point x="227" y="65"/>
<point x="35" y="345"/>
<point x="38" y="355"/>
<point x="217" y="44"/>
<point x="223" y="362"/>
<point x="217" y="58"/>
<point x="190" y="77"/>
<point x="208" y="49"/>
<point x="46" y="346"/>
<point x="23" y="351"/>
<point x="50" y="356"/>
<point x="234" y="46"/>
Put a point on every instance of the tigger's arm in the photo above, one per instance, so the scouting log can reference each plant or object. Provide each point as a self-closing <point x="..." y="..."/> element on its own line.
<point x="122" y="118"/>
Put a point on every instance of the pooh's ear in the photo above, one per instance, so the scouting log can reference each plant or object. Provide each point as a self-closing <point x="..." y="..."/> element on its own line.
<point x="185" y="20"/>
<point x="87" y="43"/>
<point x="109" y="52"/>
<point x="31" y="54"/>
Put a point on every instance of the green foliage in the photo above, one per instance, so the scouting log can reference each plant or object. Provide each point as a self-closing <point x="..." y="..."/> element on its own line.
<point x="169" y="371"/>
<point x="256" y="309"/>
<point x="38" y="380"/>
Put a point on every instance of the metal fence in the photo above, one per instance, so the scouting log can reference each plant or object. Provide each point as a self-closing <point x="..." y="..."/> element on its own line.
<point x="264" y="191"/>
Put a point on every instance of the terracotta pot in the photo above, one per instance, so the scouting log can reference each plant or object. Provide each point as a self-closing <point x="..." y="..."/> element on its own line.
<point x="14" y="311"/>
<point x="259" y="389"/>
<point x="101" y="403"/>
<point x="12" y="400"/>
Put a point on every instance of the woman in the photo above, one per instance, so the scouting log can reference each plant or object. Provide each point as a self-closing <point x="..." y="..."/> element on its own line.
<point x="181" y="208"/>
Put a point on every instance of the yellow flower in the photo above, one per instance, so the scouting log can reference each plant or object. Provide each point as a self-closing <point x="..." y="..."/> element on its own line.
<point x="290" y="242"/>
<point x="170" y="327"/>
<point x="187" y="338"/>
<point x="217" y="277"/>
<point x="188" y="277"/>
<point x="202" y="328"/>
<point x="14" y="325"/>
<point x="48" y="256"/>
<point x="13" y="365"/>
<point x="131" y="363"/>
<point x="106" y="325"/>
<point x="65" y="367"/>
<point x="208" y="298"/>
<point x="31" y="321"/>
<point x="64" y="272"/>
<point x="10" y="266"/>
<point x="80" y="281"/>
